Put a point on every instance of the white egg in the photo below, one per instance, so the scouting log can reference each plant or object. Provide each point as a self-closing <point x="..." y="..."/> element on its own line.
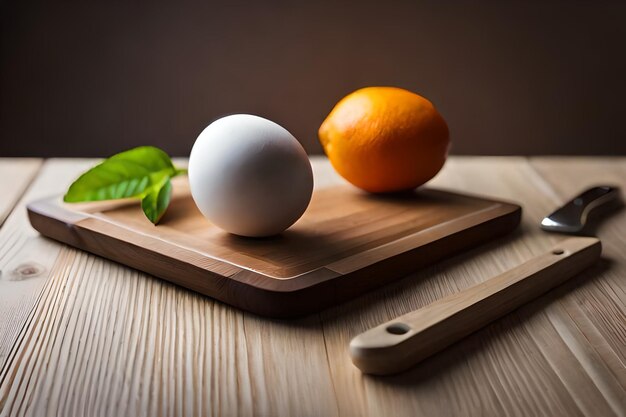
<point x="250" y="176"/>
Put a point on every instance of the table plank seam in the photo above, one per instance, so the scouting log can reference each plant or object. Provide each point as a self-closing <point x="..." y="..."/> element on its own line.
<point x="330" y="371"/>
<point x="14" y="202"/>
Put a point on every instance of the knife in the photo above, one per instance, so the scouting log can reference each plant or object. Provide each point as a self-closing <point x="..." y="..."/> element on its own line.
<point x="572" y="216"/>
<point x="403" y="342"/>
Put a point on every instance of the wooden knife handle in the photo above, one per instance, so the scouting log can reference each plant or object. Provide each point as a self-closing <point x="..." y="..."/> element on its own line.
<point x="401" y="343"/>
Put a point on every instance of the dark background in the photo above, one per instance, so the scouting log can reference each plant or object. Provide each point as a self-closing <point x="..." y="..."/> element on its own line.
<point x="90" y="78"/>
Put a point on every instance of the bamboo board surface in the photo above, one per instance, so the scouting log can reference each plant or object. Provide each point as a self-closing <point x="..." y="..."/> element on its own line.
<point x="102" y="339"/>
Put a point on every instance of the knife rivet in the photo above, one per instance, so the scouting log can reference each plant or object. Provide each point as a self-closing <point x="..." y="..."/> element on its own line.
<point x="558" y="251"/>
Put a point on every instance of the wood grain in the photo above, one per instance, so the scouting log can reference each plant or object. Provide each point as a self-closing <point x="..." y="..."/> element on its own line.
<point x="346" y="243"/>
<point x="15" y="175"/>
<point x="598" y="309"/>
<point x="142" y="346"/>
<point x="106" y="340"/>
<point x="533" y="361"/>
<point x="25" y="257"/>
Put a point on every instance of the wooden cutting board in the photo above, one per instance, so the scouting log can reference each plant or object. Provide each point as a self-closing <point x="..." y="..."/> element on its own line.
<point x="347" y="242"/>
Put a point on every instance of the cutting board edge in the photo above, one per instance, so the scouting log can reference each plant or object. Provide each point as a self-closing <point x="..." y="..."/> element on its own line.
<point x="282" y="298"/>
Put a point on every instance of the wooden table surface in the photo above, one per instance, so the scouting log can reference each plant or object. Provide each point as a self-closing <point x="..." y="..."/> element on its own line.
<point x="83" y="336"/>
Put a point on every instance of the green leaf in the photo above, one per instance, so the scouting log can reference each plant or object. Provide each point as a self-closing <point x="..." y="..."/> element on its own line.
<point x="156" y="200"/>
<point x="132" y="173"/>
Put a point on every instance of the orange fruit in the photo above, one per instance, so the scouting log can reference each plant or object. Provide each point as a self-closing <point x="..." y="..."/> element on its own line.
<point x="385" y="139"/>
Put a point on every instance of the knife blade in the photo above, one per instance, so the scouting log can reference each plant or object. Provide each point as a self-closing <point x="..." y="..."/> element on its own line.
<point x="572" y="216"/>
